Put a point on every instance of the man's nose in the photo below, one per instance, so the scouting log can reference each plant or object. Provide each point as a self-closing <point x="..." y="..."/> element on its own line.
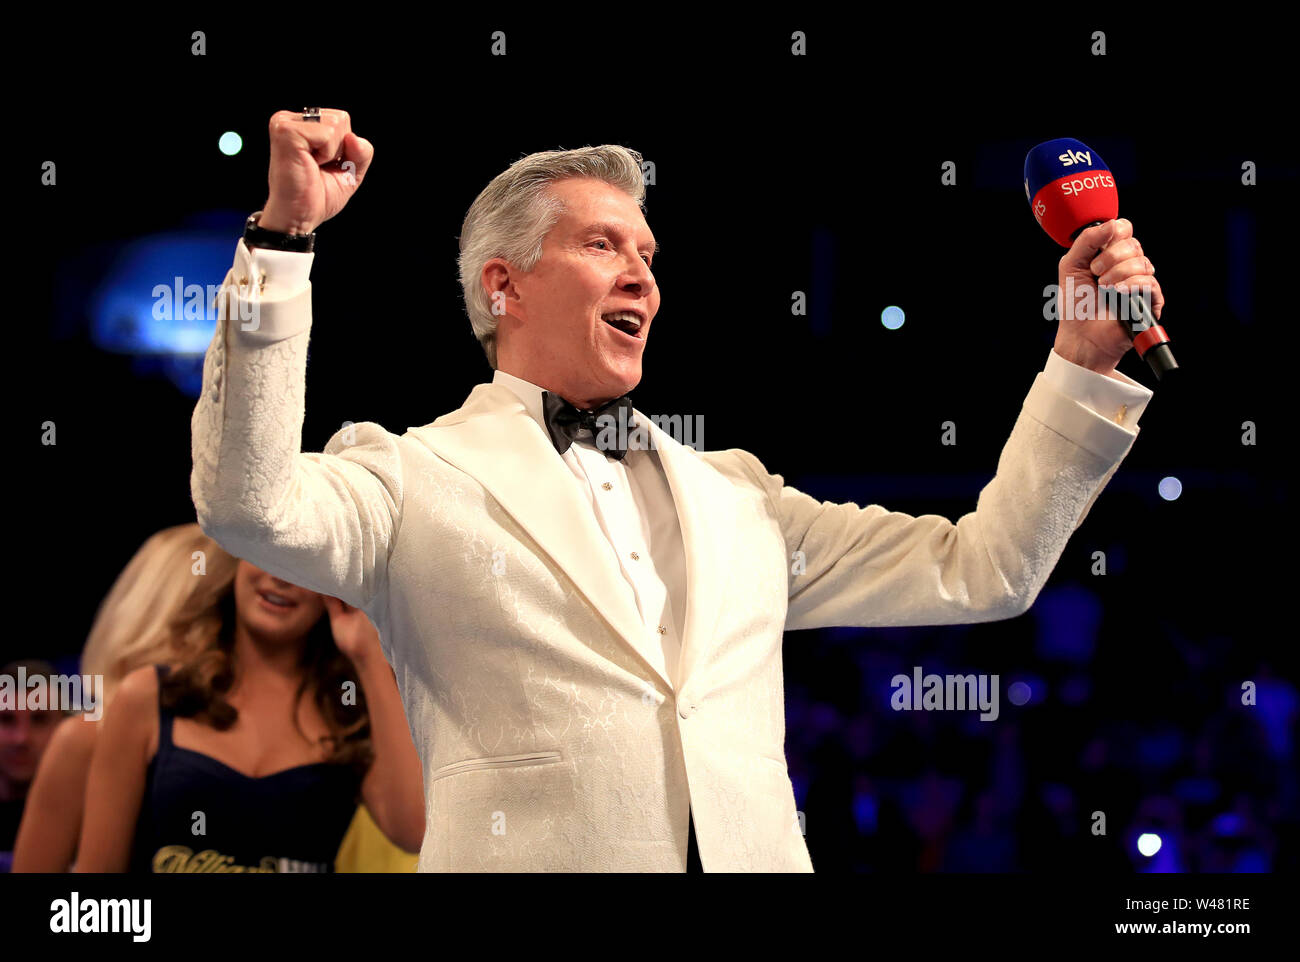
<point x="639" y="277"/>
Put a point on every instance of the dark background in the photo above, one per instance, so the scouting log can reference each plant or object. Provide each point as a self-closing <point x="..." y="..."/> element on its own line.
<point x="773" y="174"/>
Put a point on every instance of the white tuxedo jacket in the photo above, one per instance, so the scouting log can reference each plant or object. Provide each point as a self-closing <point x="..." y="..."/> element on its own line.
<point x="548" y="743"/>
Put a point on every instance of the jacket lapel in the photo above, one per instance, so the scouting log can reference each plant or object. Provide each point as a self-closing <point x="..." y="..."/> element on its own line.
<point x="494" y="440"/>
<point x="706" y="512"/>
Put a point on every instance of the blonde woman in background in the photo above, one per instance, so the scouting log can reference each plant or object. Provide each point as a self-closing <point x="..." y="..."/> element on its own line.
<point x="162" y="608"/>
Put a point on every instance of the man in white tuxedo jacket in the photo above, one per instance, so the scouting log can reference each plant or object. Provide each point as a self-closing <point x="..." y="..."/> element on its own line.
<point x="588" y="646"/>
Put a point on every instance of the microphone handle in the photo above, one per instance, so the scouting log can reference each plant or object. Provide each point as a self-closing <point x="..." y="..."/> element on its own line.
<point x="1148" y="337"/>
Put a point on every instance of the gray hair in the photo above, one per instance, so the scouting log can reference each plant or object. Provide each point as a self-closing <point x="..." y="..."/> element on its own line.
<point x="514" y="213"/>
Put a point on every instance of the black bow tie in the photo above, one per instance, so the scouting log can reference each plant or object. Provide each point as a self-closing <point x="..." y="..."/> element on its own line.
<point x="564" y="421"/>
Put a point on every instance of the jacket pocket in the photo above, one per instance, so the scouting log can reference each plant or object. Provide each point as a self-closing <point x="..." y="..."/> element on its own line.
<point x="495" y="761"/>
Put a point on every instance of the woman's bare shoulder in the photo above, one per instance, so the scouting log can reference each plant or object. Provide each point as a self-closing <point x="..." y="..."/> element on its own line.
<point x="134" y="708"/>
<point x="138" y="690"/>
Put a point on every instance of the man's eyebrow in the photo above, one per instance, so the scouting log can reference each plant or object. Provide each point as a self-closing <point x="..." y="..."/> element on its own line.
<point x="607" y="228"/>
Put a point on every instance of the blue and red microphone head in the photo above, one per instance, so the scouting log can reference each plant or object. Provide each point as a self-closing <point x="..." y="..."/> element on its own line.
<point x="1069" y="187"/>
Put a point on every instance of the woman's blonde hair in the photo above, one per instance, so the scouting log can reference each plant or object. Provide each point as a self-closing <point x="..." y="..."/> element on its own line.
<point x="163" y="607"/>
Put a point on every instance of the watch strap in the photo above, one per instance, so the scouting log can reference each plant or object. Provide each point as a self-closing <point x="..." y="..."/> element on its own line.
<point x="257" y="236"/>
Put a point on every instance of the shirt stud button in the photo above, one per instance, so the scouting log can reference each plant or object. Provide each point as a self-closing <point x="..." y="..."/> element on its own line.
<point x="635" y="556"/>
<point x="606" y="485"/>
<point x="663" y="630"/>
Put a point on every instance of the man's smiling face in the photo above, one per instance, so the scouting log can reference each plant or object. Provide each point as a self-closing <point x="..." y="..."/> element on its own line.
<point x="561" y="330"/>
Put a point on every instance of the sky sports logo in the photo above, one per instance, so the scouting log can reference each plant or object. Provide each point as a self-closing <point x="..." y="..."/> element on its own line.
<point x="1072" y="187"/>
<point x="1077" y="185"/>
<point x="1078" y="172"/>
<point x="1068" y="159"/>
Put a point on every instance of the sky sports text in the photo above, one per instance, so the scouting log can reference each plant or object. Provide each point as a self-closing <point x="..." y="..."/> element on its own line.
<point x="1078" y="185"/>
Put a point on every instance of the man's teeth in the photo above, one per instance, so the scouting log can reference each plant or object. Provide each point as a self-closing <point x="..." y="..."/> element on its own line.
<point x="624" y="316"/>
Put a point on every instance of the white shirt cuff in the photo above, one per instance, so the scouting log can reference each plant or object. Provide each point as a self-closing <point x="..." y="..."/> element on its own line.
<point x="271" y="295"/>
<point x="280" y="275"/>
<point x="1117" y="398"/>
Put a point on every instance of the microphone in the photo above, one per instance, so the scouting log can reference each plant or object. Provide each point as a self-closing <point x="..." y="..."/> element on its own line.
<point x="1071" y="189"/>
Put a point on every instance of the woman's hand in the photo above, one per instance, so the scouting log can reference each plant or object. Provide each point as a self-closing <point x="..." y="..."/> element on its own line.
<point x="393" y="788"/>
<point x="354" y="634"/>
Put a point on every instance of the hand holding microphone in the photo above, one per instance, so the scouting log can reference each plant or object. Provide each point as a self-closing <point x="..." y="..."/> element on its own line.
<point x="1092" y="333"/>
<point x="1073" y="196"/>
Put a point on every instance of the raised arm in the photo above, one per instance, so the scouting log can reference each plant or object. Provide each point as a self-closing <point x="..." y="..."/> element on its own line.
<point x="871" y="567"/>
<point x="323" y="521"/>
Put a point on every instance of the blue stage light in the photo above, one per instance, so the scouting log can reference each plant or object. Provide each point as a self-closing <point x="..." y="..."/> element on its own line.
<point x="158" y="301"/>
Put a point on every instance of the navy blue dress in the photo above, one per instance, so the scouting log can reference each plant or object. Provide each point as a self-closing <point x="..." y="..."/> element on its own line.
<point x="289" y="821"/>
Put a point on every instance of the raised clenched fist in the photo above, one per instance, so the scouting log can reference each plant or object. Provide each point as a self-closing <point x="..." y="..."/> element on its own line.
<point x="315" y="169"/>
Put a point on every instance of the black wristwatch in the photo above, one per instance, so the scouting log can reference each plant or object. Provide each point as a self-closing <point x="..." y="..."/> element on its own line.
<point x="255" y="236"/>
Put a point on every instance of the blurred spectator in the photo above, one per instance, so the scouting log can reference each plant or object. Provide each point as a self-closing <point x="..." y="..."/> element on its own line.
<point x="25" y="735"/>
<point x="165" y="606"/>
<point x="159" y="604"/>
<point x="278" y="662"/>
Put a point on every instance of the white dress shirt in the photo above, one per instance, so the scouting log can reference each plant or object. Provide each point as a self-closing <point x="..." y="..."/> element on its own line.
<point x="632" y="500"/>
<point x="634" y="506"/>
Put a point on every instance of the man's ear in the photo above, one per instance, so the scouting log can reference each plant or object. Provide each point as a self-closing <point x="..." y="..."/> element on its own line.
<point x="498" y="280"/>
